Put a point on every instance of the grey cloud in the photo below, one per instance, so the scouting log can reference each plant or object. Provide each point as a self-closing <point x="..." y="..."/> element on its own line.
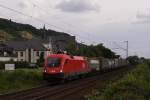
<point x="142" y="18"/>
<point x="142" y="22"/>
<point x="22" y="5"/>
<point x="77" y="6"/>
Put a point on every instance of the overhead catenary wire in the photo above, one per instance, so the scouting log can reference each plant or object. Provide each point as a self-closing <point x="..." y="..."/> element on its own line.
<point x="37" y="19"/>
<point x="121" y="48"/>
<point x="44" y="22"/>
<point x="89" y="37"/>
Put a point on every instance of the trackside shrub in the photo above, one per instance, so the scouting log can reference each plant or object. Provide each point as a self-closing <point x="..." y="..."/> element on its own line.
<point x="133" y="86"/>
<point x="19" y="79"/>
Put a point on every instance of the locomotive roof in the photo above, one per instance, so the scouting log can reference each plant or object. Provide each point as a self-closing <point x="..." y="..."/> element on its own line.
<point x="67" y="56"/>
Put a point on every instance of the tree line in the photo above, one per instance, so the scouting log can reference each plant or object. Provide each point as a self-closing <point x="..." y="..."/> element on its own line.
<point x="98" y="50"/>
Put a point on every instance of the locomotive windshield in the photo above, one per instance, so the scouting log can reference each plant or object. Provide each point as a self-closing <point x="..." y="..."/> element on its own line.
<point x="54" y="62"/>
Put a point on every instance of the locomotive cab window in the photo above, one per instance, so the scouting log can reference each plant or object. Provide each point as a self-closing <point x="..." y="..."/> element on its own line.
<point x="53" y="62"/>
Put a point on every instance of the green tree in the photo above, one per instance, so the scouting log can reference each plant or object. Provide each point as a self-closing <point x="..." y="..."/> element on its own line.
<point x="90" y="51"/>
<point x="133" y="60"/>
<point x="40" y="61"/>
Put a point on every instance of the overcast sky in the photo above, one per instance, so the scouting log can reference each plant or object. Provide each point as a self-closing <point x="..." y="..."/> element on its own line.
<point x="93" y="21"/>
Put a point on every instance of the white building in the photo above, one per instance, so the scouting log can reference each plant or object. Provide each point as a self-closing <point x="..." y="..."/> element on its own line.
<point x="29" y="51"/>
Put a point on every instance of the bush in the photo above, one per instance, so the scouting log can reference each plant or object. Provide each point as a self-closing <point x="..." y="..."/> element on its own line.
<point x="19" y="79"/>
<point x="133" y="60"/>
<point x="40" y="61"/>
<point x="22" y="65"/>
<point x="2" y="65"/>
<point x="134" y="86"/>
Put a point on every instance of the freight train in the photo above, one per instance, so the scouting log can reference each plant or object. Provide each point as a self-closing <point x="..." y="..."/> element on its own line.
<point x="66" y="67"/>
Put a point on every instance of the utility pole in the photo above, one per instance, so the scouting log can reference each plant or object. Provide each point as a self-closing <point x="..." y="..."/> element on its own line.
<point x="50" y="45"/>
<point x="82" y="45"/>
<point x="127" y="48"/>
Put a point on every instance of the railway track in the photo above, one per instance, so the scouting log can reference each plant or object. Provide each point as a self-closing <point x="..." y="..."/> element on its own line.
<point x="44" y="91"/>
<point x="61" y="91"/>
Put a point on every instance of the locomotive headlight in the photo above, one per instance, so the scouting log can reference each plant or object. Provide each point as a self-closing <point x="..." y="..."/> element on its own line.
<point x="45" y="70"/>
<point x="61" y="70"/>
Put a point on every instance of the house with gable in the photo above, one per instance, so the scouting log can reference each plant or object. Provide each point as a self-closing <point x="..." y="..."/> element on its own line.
<point x="29" y="51"/>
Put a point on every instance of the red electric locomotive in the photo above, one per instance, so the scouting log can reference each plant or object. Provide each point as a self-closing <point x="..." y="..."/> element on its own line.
<point x="63" y="66"/>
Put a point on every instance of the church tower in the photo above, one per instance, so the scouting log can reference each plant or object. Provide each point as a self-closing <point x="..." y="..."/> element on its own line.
<point x="44" y="32"/>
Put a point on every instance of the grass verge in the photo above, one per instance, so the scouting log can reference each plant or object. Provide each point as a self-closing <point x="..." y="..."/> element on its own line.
<point x="20" y="79"/>
<point x="133" y="86"/>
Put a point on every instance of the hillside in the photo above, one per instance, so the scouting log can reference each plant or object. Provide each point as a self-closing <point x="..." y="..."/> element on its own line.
<point x="10" y="30"/>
